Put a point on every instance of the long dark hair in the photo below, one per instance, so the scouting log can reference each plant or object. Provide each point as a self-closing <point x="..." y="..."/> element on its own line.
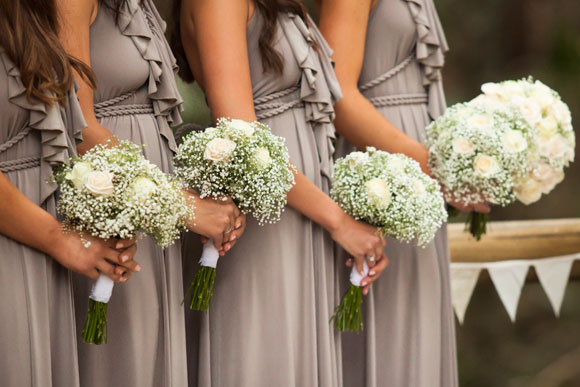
<point x="270" y="9"/>
<point x="29" y="36"/>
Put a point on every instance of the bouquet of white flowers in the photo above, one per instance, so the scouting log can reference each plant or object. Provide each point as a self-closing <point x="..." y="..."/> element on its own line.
<point x="391" y="192"/>
<point x="244" y="161"/>
<point x="553" y="135"/>
<point x="479" y="154"/>
<point x="114" y="192"/>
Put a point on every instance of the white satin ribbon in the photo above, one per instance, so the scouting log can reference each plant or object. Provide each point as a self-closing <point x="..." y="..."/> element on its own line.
<point x="102" y="289"/>
<point x="356" y="277"/>
<point x="210" y="255"/>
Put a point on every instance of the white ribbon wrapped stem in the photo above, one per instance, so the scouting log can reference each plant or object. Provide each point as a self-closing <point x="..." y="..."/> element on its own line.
<point x="356" y="277"/>
<point x="102" y="289"/>
<point x="210" y="255"/>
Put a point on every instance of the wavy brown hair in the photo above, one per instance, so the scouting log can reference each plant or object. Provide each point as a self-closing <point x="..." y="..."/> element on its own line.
<point x="29" y="36"/>
<point x="270" y="9"/>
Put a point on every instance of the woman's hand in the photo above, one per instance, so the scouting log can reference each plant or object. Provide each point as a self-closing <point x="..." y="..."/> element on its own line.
<point x="362" y="241"/>
<point x="374" y="273"/>
<point x="100" y="256"/>
<point x="220" y="220"/>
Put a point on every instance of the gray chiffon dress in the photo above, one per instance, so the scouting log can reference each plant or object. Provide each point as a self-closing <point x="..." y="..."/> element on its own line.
<point x="137" y="100"/>
<point x="37" y="327"/>
<point x="409" y="335"/>
<point x="274" y="293"/>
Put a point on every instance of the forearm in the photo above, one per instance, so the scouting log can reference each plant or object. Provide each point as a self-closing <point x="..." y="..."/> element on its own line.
<point x="363" y="125"/>
<point x="94" y="133"/>
<point x="310" y="201"/>
<point x="26" y="222"/>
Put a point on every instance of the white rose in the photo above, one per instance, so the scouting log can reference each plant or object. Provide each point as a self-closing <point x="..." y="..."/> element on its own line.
<point x="486" y="165"/>
<point x="529" y="108"/>
<point x="379" y="192"/>
<point x="491" y="89"/>
<point x="357" y="158"/>
<point x="418" y="187"/>
<point x="480" y="121"/>
<point x="78" y="174"/>
<point x="543" y="95"/>
<point x="219" y="149"/>
<point x="547" y="176"/>
<point x="555" y="147"/>
<point x="528" y="191"/>
<point x="484" y="101"/>
<point x="462" y="146"/>
<point x="143" y="187"/>
<point x="510" y="89"/>
<point x="100" y="183"/>
<point x="395" y="164"/>
<point x="243" y="126"/>
<point x="548" y="126"/>
<point x="262" y="158"/>
<point x="560" y="111"/>
<point x="514" y="141"/>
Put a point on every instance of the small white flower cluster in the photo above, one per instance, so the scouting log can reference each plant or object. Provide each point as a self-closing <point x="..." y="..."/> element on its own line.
<point x="391" y="192"/>
<point x="240" y="159"/>
<point x="551" y="123"/>
<point x="114" y="192"/>
<point x="479" y="153"/>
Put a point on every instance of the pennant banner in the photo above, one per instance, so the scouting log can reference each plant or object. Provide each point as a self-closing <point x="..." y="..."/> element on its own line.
<point x="509" y="277"/>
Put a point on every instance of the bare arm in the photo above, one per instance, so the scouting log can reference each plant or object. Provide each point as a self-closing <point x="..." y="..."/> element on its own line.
<point x="27" y="223"/>
<point x="343" y="23"/>
<point x="76" y="18"/>
<point x="219" y="59"/>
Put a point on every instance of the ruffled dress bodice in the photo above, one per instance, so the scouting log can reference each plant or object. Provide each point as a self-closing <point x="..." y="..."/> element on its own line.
<point x="33" y="134"/>
<point x="414" y="32"/>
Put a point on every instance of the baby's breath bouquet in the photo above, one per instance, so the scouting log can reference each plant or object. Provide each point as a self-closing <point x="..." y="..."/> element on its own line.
<point x="479" y="154"/>
<point x="114" y="192"/>
<point x="238" y="159"/>
<point x="391" y="192"/>
<point x="553" y="135"/>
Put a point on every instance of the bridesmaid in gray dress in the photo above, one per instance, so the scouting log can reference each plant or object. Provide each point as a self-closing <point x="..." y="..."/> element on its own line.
<point x="137" y="100"/>
<point x="389" y="56"/>
<point x="40" y="124"/>
<point x="268" y="324"/>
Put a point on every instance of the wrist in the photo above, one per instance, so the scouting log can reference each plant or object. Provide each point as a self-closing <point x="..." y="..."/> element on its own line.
<point x="55" y="240"/>
<point x="192" y="200"/>
<point x="333" y="219"/>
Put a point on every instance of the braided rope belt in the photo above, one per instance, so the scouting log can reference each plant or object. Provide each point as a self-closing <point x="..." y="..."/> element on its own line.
<point x="18" y="164"/>
<point x="111" y="107"/>
<point x="267" y="109"/>
<point x="394" y="99"/>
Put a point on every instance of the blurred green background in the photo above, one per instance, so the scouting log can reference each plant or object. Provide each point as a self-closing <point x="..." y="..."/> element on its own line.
<point x="493" y="40"/>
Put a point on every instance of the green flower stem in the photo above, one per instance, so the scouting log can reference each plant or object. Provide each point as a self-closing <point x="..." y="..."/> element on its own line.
<point x="348" y="315"/>
<point x="201" y="288"/>
<point x="477" y="224"/>
<point x="95" y="329"/>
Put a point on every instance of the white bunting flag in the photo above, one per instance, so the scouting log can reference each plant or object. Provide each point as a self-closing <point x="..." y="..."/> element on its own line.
<point x="553" y="275"/>
<point x="508" y="278"/>
<point x="463" y="280"/>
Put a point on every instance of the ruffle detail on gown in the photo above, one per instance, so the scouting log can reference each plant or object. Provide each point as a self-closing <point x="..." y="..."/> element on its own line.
<point x="319" y="88"/>
<point x="430" y="51"/>
<point x="143" y="24"/>
<point x="60" y="127"/>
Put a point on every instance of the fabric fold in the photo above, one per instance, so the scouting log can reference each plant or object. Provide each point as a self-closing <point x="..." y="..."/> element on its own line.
<point x="430" y="51"/>
<point x="57" y="125"/>
<point x="146" y="30"/>
<point x="319" y="88"/>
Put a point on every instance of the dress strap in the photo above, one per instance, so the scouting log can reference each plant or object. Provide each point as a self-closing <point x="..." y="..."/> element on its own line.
<point x="389" y="74"/>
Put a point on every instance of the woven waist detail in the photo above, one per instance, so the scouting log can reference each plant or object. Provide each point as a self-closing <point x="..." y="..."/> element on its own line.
<point x="272" y="104"/>
<point x="19" y="164"/>
<point x="399" y="99"/>
<point x="389" y="74"/>
<point x="113" y="107"/>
